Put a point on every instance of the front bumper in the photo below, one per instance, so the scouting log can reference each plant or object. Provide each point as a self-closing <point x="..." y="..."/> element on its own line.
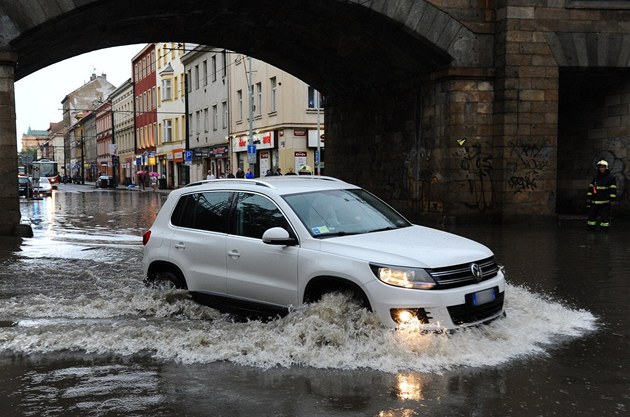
<point x="448" y="309"/>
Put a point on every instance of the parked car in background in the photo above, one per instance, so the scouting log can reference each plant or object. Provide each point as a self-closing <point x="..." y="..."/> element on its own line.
<point x="42" y="187"/>
<point x="269" y="244"/>
<point x="25" y="186"/>
<point x="105" y="181"/>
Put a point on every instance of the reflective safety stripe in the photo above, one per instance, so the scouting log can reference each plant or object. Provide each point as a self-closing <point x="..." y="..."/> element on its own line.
<point x="591" y="223"/>
<point x="604" y="224"/>
<point x="601" y="202"/>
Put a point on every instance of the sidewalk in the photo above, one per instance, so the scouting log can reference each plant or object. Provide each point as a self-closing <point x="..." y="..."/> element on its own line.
<point x="128" y="188"/>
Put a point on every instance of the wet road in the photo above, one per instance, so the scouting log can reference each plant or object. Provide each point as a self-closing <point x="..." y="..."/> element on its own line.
<point x="81" y="336"/>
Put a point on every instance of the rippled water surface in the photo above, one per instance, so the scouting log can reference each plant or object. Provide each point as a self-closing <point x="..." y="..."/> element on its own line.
<point x="81" y="335"/>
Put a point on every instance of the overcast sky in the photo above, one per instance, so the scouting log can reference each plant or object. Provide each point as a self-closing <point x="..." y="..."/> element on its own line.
<point x="38" y="96"/>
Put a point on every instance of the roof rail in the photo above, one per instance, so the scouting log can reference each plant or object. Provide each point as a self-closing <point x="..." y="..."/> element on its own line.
<point x="306" y="177"/>
<point x="231" y="180"/>
<point x="262" y="180"/>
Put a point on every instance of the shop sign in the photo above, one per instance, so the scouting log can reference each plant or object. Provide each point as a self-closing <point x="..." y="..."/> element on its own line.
<point x="299" y="160"/>
<point x="312" y="138"/>
<point x="264" y="140"/>
<point x="299" y="132"/>
<point x="178" y="155"/>
<point x="220" y="151"/>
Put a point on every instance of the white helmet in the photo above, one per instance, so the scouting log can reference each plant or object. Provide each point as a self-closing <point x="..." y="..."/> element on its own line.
<point x="603" y="162"/>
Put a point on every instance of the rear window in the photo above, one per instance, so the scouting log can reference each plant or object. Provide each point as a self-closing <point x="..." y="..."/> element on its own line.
<point x="203" y="211"/>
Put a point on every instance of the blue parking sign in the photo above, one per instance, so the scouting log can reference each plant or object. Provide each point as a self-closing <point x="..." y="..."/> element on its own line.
<point x="188" y="156"/>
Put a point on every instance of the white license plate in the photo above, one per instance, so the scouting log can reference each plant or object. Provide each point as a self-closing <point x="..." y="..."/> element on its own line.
<point x="483" y="297"/>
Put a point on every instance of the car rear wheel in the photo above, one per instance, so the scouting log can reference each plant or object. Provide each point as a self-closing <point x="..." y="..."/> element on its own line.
<point x="167" y="281"/>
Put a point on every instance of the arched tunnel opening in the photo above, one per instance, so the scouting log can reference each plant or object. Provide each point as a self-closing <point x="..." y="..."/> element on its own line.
<point x="592" y="125"/>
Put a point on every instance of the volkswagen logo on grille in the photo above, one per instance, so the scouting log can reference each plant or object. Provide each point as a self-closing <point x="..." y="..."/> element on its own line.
<point x="476" y="271"/>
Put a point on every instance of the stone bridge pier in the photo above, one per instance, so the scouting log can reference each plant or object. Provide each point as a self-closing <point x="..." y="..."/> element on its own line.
<point x="444" y="147"/>
<point x="450" y="110"/>
<point x="10" y="218"/>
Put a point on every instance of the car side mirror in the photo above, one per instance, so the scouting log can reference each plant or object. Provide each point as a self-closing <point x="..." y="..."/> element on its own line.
<point x="277" y="236"/>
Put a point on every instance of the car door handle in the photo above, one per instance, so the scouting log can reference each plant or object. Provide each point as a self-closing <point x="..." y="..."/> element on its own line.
<point x="180" y="245"/>
<point x="234" y="253"/>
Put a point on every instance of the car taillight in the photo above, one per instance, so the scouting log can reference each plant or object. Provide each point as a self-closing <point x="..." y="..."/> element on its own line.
<point x="145" y="237"/>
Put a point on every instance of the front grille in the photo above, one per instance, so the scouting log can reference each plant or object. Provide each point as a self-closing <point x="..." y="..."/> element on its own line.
<point x="460" y="275"/>
<point x="468" y="313"/>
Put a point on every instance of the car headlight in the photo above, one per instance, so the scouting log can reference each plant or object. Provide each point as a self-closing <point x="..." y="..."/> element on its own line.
<point x="398" y="276"/>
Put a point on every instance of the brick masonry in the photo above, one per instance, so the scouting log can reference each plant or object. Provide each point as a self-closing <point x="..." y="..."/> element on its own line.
<point x="8" y="150"/>
<point x="489" y="141"/>
<point x="498" y="108"/>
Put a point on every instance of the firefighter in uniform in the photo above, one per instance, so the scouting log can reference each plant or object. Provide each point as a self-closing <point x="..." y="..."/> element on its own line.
<point x="601" y="193"/>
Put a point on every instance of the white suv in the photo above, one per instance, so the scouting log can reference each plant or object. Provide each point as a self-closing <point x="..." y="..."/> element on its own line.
<point x="268" y="244"/>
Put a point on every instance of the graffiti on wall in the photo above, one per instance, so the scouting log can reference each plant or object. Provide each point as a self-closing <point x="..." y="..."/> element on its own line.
<point x="527" y="165"/>
<point x="477" y="168"/>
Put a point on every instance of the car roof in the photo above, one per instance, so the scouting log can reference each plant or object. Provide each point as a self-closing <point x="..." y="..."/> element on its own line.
<point x="281" y="185"/>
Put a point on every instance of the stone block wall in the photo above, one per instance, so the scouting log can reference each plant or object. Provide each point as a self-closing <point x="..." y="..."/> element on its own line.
<point x="8" y="149"/>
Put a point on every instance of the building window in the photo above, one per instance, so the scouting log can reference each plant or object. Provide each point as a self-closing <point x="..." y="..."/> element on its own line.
<point x="239" y="95"/>
<point x="206" y="120"/>
<point x="225" y="114"/>
<point x="215" y="117"/>
<point x="224" y="62"/>
<point x="204" y="72"/>
<point x="198" y="122"/>
<point x="167" y="131"/>
<point x="166" y="90"/>
<point x="314" y="98"/>
<point x="258" y="98"/>
<point x="214" y="68"/>
<point x="196" y="77"/>
<point x="189" y="81"/>
<point x="273" y="84"/>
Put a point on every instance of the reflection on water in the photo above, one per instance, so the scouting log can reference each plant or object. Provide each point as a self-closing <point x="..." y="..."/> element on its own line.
<point x="74" y="292"/>
<point x="409" y="386"/>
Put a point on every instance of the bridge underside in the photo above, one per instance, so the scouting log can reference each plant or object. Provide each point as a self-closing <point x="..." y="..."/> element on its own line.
<point x="461" y="112"/>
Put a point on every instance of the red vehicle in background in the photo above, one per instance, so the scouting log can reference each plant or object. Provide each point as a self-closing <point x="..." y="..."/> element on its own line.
<point x="46" y="168"/>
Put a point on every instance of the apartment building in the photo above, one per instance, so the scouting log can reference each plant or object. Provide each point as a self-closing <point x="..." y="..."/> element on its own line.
<point x="123" y="139"/>
<point x="145" y="98"/>
<point x="104" y="135"/>
<point x="171" y="114"/>
<point x="282" y="123"/>
<point x="206" y="69"/>
<point x="76" y="105"/>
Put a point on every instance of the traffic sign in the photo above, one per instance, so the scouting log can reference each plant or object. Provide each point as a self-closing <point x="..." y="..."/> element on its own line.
<point x="188" y="156"/>
<point x="251" y="154"/>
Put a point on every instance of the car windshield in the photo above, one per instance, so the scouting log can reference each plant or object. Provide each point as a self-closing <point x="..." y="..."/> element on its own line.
<point x="344" y="212"/>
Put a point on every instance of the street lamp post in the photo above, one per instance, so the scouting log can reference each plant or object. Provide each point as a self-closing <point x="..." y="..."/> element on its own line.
<point x="82" y="160"/>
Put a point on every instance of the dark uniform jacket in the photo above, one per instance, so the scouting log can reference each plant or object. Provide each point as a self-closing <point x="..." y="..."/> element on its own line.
<point x="603" y="189"/>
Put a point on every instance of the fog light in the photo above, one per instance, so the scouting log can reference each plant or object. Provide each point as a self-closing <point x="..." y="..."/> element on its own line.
<point x="407" y="315"/>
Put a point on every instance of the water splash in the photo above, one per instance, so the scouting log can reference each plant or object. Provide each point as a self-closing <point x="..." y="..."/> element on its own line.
<point x="333" y="333"/>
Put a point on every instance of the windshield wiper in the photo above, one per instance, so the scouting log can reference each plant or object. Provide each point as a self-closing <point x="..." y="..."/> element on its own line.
<point x="337" y="234"/>
<point x="383" y="229"/>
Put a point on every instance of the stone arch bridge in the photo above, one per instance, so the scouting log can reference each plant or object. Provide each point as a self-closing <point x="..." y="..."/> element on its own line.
<point x="486" y="110"/>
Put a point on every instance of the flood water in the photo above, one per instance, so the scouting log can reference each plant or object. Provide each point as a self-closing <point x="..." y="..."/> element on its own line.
<point x="80" y="335"/>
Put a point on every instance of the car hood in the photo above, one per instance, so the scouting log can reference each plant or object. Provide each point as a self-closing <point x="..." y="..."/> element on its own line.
<point x="414" y="246"/>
